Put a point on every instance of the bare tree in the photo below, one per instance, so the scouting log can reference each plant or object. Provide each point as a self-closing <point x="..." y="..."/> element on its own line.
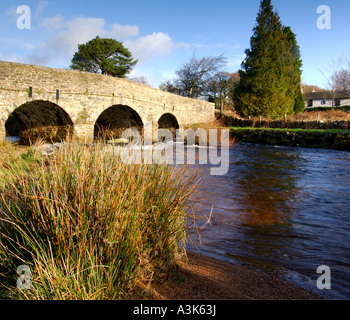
<point x="330" y="77"/>
<point x="337" y="76"/>
<point x="140" y="79"/>
<point x="307" y="88"/>
<point x="342" y="80"/>
<point x="169" y="86"/>
<point x="193" y="77"/>
<point x="221" y="88"/>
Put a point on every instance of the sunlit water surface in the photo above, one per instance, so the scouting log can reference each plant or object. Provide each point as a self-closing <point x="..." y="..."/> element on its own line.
<point x="283" y="210"/>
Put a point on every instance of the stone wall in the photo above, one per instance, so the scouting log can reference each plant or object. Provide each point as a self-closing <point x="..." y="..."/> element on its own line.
<point x="84" y="96"/>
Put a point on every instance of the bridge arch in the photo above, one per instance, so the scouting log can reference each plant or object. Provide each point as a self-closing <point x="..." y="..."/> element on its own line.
<point x="84" y="96"/>
<point x="114" y="120"/>
<point x="39" y="119"/>
<point x="168" y="121"/>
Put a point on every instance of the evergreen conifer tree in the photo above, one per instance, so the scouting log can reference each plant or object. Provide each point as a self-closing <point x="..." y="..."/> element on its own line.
<point x="270" y="75"/>
<point x="296" y="77"/>
<point x="104" y="56"/>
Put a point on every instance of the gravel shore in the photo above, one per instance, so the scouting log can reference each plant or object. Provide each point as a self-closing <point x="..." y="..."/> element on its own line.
<point x="202" y="277"/>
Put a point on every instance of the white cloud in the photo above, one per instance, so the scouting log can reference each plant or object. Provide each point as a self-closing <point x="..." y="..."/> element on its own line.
<point x="77" y="31"/>
<point x="61" y="39"/>
<point x="11" y="11"/>
<point x="54" y="23"/>
<point x="123" y="32"/>
<point x="150" y="46"/>
<point x="42" y="4"/>
<point x="80" y="30"/>
<point x="157" y="42"/>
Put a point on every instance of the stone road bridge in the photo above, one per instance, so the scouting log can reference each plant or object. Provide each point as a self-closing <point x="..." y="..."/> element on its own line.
<point x="33" y="97"/>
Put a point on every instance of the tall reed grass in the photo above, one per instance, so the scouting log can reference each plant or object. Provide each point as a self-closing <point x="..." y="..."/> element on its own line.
<point x="89" y="226"/>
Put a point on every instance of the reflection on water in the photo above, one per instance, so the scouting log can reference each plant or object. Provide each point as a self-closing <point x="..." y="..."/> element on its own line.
<point x="284" y="210"/>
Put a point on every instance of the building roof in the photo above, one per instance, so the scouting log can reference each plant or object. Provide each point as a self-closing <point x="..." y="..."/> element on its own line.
<point x="326" y="95"/>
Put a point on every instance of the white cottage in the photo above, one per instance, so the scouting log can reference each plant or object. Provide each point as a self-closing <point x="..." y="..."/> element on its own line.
<point x="325" y="99"/>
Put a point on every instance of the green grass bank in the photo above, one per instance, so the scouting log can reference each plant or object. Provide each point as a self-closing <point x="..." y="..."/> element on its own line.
<point x="309" y="138"/>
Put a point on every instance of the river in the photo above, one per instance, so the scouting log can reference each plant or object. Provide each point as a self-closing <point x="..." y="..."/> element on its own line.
<point x="282" y="210"/>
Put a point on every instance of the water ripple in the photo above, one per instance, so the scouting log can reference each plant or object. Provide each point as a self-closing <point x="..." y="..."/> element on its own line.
<point x="284" y="210"/>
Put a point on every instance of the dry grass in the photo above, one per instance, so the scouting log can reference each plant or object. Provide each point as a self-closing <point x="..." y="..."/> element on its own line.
<point x="217" y="125"/>
<point x="89" y="226"/>
<point x="331" y="115"/>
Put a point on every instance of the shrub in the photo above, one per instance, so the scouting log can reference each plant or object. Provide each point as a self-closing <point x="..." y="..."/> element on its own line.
<point x="299" y="103"/>
<point x="49" y="134"/>
<point x="343" y="108"/>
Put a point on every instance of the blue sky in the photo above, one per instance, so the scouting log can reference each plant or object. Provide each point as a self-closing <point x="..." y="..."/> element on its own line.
<point x="165" y="34"/>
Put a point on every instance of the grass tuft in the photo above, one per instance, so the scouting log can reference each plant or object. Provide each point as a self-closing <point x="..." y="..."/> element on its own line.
<point x="88" y="225"/>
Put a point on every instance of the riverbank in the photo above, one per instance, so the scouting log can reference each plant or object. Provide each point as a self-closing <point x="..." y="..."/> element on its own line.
<point x="203" y="277"/>
<point x="321" y="120"/>
<point x="311" y="138"/>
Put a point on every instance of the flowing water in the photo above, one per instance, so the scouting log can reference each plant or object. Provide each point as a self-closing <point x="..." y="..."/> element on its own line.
<point x="283" y="210"/>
